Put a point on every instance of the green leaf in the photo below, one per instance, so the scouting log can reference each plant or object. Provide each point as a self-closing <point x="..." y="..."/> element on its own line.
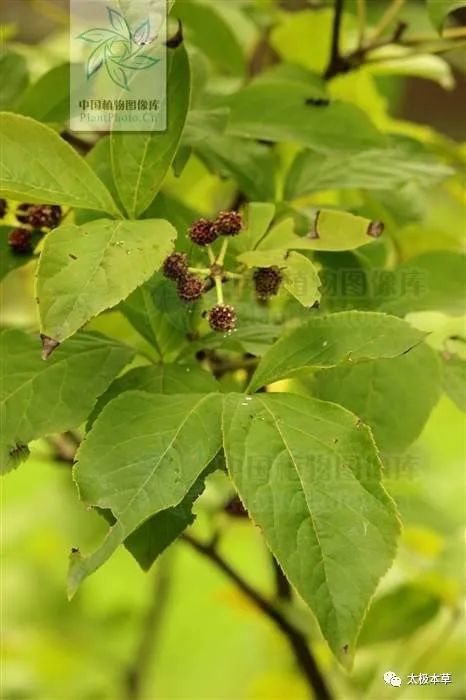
<point x="201" y="125"/>
<point x="142" y="456"/>
<point x="398" y="614"/>
<point x="309" y="475"/>
<point x="376" y="169"/>
<point x="398" y="60"/>
<point x="301" y="279"/>
<point x="100" y="160"/>
<point x="263" y="258"/>
<point x="15" y="78"/>
<point x="39" y="398"/>
<point x="454" y="379"/>
<point x="434" y="281"/>
<point x="156" y="534"/>
<point x="330" y="231"/>
<point x="323" y="342"/>
<point x="257" y="113"/>
<point x="38" y="166"/>
<point x="440" y="9"/>
<point x="252" y="166"/>
<point x="140" y="161"/>
<point x="259" y="216"/>
<point x="207" y="29"/>
<point x="394" y="397"/>
<point x="158" y="379"/>
<point x="157" y="313"/>
<point x="255" y="339"/>
<point x="48" y="100"/>
<point x="84" y="270"/>
<point x="338" y="230"/>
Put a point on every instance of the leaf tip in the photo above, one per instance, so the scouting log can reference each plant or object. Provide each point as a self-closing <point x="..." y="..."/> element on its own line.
<point x="48" y="346"/>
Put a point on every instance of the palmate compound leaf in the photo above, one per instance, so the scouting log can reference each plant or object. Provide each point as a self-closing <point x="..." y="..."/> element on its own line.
<point x="38" y="166"/>
<point x="39" y="398"/>
<point x="86" y="269"/>
<point x="328" y="341"/>
<point x="143" y="455"/>
<point x="310" y="477"/>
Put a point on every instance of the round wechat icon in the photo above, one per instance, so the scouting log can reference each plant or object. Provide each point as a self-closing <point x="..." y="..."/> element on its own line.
<point x="391" y="678"/>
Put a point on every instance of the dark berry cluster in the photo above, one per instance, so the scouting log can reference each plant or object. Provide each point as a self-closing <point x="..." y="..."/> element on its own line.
<point x="267" y="281"/>
<point x="3" y="208"/>
<point x="20" y="241"/>
<point x="228" y="223"/>
<point x="176" y="266"/>
<point x="204" y="232"/>
<point x="190" y="286"/>
<point x="222" y="318"/>
<point x="39" y="215"/>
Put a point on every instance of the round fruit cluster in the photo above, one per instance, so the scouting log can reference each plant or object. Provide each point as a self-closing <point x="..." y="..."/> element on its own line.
<point x="222" y="317"/>
<point x="32" y="217"/>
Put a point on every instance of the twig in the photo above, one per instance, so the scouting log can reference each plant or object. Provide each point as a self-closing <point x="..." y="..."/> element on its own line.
<point x="387" y="18"/>
<point x="136" y="674"/>
<point x="282" y="585"/>
<point x="336" y="62"/>
<point x="362" y="21"/>
<point x="295" y="638"/>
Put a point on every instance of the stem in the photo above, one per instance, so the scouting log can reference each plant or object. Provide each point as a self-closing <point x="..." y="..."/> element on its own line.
<point x="335" y="61"/>
<point x="453" y="33"/>
<point x="295" y="638"/>
<point x="219" y="289"/>
<point x="223" y="251"/>
<point x="136" y="673"/>
<point x="387" y="18"/>
<point x="398" y="57"/>
<point x="362" y="21"/>
<point x="199" y="270"/>
<point x="211" y="254"/>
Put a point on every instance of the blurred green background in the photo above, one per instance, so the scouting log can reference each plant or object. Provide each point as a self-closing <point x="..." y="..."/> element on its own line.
<point x="205" y="640"/>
